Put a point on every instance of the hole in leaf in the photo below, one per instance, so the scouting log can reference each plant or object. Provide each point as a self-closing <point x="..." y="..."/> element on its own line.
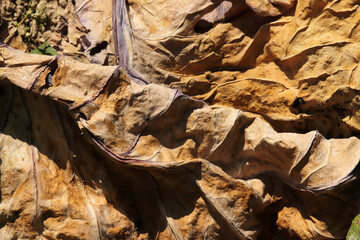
<point x="298" y="102"/>
<point x="98" y="48"/>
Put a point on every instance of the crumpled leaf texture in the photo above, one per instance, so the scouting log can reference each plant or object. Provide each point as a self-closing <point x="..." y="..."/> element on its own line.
<point x="303" y="57"/>
<point x="103" y="152"/>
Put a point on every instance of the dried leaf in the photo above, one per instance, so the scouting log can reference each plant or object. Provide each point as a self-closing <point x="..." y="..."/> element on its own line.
<point x="266" y="147"/>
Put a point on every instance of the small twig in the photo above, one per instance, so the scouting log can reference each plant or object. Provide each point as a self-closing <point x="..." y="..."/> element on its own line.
<point x="21" y="22"/>
<point x="11" y="35"/>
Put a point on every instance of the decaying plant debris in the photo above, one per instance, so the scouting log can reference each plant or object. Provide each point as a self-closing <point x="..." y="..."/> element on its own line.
<point x="223" y="120"/>
<point x="81" y="29"/>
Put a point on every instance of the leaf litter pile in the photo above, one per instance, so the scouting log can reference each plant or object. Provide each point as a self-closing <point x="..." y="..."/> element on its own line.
<point x="220" y="120"/>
